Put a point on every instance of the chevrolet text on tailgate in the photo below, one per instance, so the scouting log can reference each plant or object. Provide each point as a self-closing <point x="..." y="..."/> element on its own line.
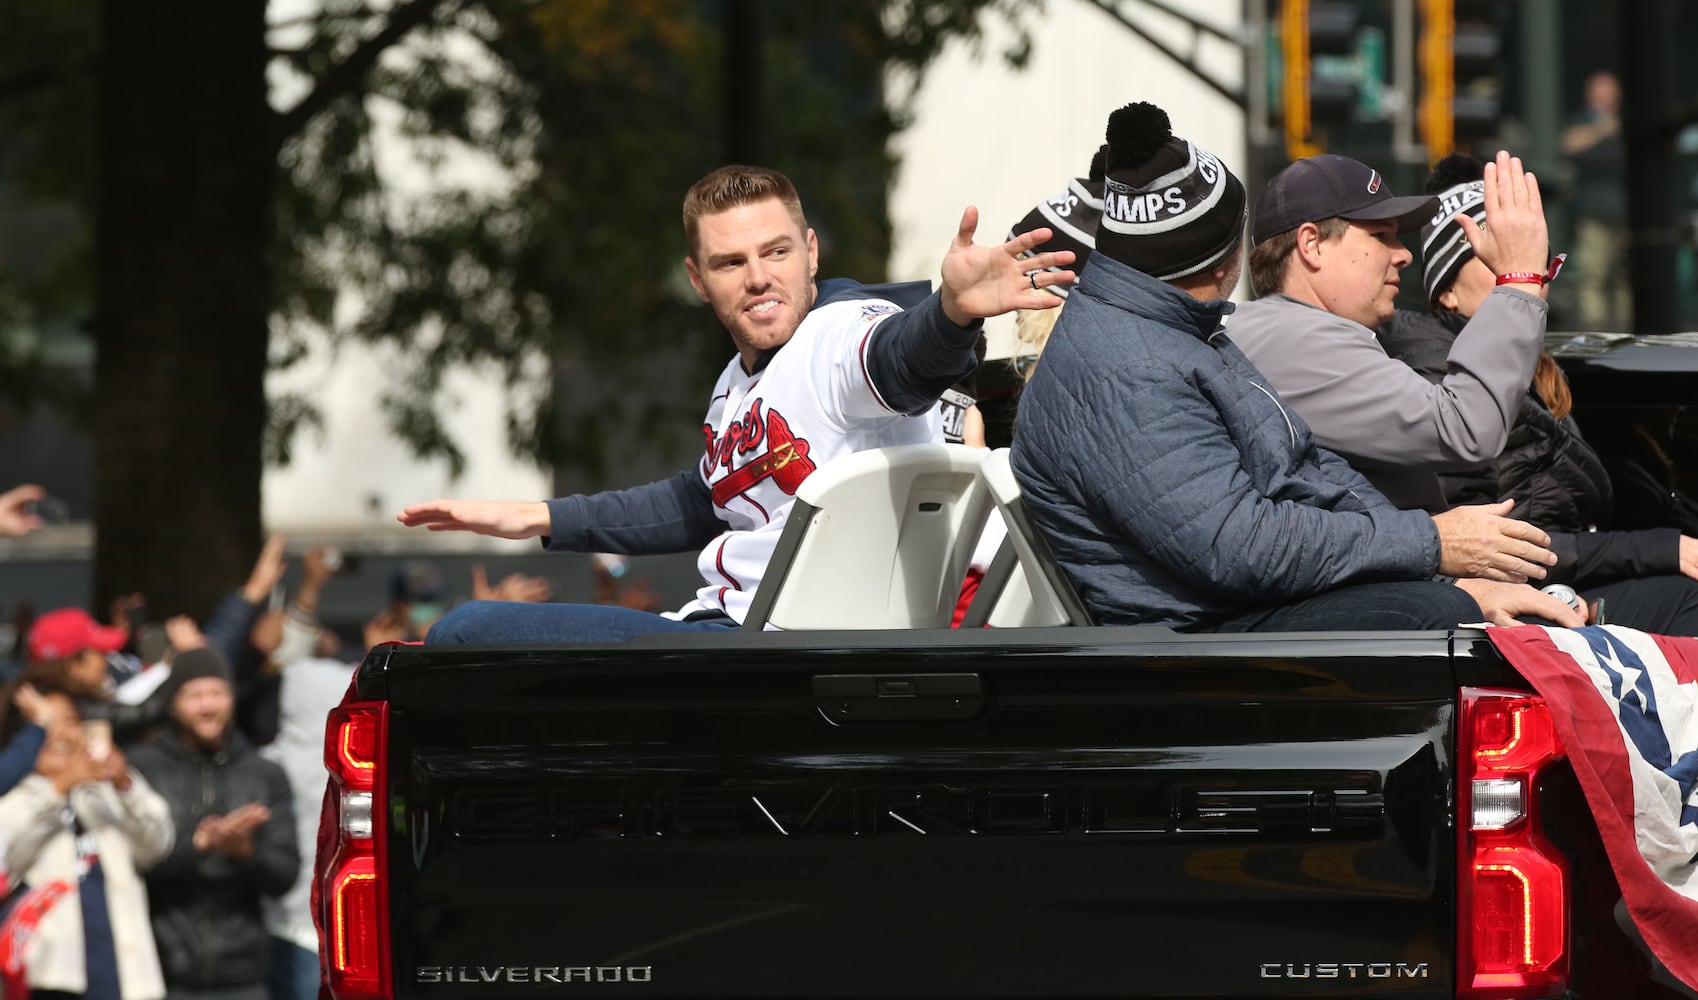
<point x="1114" y="812"/>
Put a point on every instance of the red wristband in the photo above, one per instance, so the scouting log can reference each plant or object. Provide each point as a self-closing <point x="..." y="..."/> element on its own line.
<point x="1531" y="278"/>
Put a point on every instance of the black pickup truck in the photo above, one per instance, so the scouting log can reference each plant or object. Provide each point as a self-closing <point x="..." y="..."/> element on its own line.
<point x="1023" y="812"/>
<point x="1047" y="812"/>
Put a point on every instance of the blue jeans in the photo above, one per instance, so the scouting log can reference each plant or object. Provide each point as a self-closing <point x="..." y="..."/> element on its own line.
<point x="478" y="622"/>
<point x="1367" y="607"/>
<point x="294" y="971"/>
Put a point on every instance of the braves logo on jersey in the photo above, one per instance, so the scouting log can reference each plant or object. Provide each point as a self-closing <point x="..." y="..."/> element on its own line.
<point x="786" y="459"/>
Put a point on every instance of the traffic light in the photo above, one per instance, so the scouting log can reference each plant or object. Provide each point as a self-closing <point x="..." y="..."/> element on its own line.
<point x="1463" y="69"/>
<point x="1332" y="72"/>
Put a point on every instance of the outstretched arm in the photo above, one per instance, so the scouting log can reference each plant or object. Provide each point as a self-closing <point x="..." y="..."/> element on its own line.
<point x="982" y="281"/>
<point x="672" y="515"/>
<point x="920" y="352"/>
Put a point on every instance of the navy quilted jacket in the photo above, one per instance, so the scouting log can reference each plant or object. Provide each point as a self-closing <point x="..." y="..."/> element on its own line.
<point x="1172" y="484"/>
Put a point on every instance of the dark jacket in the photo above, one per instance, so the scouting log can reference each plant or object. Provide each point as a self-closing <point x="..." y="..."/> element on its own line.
<point x="206" y="913"/>
<point x="1556" y="479"/>
<point x="1172" y="484"/>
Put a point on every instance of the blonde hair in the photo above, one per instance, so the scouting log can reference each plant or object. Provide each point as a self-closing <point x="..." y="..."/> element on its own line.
<point x="729" y="187"/>
<point x="1032" y="328"/>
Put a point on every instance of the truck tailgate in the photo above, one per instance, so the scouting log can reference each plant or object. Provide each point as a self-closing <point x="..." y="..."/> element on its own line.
<point x="923" y="814"/>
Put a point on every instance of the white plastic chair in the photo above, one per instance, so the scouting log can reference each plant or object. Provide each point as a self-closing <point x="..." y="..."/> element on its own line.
<point x="1024" y="586"/>
<point x="877" y="539"/>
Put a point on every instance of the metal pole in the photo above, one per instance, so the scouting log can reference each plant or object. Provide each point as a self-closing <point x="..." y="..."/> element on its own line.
<point x="1647" y="117"/>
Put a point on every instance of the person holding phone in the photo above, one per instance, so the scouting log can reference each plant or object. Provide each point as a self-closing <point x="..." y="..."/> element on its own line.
<point x="82" y="823"/>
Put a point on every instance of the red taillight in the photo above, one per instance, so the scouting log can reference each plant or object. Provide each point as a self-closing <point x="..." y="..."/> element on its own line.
<point x="1512" y="885"/>
<point x="355" y="903"/>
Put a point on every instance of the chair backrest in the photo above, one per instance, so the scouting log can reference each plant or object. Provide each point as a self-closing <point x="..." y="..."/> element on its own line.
<point x="876" y="539"/>
<point x="1024" y="586"/>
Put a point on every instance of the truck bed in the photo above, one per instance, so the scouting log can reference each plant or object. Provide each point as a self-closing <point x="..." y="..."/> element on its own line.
<point x="1049" y="812"/>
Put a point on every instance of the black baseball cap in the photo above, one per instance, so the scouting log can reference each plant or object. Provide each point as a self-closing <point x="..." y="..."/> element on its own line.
<point x="1332" y="186"/>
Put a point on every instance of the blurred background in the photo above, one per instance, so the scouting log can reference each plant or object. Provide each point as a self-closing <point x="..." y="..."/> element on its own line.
<point x="289" y="266"/>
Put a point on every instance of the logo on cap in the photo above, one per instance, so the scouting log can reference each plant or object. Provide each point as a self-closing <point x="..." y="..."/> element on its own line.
<point x="1373" y="182"/>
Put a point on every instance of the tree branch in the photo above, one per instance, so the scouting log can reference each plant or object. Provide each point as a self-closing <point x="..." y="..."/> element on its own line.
<point x="321" y="18"/>
<point x="349" y="75"/>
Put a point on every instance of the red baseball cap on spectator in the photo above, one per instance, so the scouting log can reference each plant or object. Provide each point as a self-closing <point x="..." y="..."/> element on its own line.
<point x="67" y="632"/>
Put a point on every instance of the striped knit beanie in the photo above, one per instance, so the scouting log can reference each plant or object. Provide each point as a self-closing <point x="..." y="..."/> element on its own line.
<point x="1458" y="181"/>
<point x="1170" y="208"/>
<point x="1072" y="217"/>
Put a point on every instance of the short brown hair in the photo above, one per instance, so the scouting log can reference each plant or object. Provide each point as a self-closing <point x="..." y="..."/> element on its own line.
<point x="729" y="187"/>
<point x="1268" y="258"/>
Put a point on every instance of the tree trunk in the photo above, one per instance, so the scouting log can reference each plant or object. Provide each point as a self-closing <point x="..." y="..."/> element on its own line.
<point x="184" y="198"/>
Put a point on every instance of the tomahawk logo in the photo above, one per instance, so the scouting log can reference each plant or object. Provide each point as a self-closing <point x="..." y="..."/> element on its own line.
<point x="785" y="458"/>
<point x="1373" y="182"/>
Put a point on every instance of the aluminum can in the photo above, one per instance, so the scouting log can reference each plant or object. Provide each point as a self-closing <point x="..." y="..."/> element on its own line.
<point x="1564" y="593"/>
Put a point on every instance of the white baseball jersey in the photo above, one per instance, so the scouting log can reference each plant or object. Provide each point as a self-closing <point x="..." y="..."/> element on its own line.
<point x="766" y="432"/>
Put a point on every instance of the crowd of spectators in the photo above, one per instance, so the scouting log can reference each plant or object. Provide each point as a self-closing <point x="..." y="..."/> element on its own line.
<point x="160" y="785"/>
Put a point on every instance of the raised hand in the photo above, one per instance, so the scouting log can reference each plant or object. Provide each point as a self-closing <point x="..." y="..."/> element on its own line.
<point x="183" y="634"/>
<point x="1482" y="541"/>
<point x="1515" y="237"/>
<point x="15" y="521"/>
<point x="980" y="281"/>
<point x="316" y="568"/>
<point x="498" y="518"/>
<point x="267" y="572"/>
<point x="38" y="709"/>
<point x="513" y="587"/>
<point x="123" y="610"/>
<point x="387" y="626"/>
<point x="113" y="768"/>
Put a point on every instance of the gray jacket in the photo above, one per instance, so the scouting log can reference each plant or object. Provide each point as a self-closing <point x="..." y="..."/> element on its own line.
<point x="1396" y="427"/>
<point x="1171" y="483"/>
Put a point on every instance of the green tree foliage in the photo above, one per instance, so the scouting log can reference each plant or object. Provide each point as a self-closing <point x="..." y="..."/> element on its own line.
<point x="565" y="274"/>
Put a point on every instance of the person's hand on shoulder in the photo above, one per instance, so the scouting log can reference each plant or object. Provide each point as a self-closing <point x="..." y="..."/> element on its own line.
<point x="1689" y="556"/>
<point x="498" y="518"/>
<point x="1481" y="541"/>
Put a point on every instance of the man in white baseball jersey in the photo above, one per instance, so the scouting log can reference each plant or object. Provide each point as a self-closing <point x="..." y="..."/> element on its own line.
<point x="820" y="372"/>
